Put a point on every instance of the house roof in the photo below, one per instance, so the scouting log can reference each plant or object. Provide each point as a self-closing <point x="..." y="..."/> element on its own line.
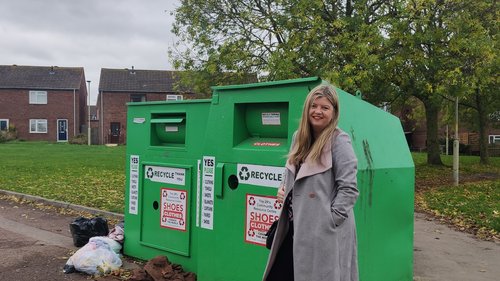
<point x="40" y="77"/>
<point x="144" y="81"/>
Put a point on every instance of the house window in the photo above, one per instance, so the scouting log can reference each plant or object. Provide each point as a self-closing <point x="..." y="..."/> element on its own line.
<point x="38" y="97"/>
<point x="174" y="97"/>
<point x="4" y="124"/>
<point x="38" y="125"/>
<point x="494" y="139"/>
<point x="137" y="98"/>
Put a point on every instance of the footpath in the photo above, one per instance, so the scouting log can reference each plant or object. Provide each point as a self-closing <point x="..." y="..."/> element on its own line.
<point x="35" y="244"/>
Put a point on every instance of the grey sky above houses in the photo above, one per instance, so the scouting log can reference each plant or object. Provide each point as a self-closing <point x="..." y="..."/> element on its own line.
<point x="92" y="34"/>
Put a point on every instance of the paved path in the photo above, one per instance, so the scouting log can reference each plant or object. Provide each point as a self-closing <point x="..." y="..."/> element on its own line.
<point x="36" y="244"/>
<point x="441" y="253"/>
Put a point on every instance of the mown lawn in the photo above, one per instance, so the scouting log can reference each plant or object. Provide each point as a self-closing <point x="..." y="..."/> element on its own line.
<point x="93" y="176"/>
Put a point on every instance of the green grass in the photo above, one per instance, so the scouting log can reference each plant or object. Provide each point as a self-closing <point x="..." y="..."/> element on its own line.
<point x="93" y="176"/>
<point x="469" y="165"/>
<point x="473" y="206"/>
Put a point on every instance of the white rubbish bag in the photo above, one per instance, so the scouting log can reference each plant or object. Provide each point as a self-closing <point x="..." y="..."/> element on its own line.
<point x="99" y="256"/>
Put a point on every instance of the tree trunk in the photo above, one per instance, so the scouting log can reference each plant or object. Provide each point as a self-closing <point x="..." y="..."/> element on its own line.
<point x="483" y="122"/>
<point x="431" y="117"/>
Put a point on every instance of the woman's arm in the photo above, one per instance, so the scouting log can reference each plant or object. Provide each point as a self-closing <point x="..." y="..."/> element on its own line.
<point x="345" y="168"/>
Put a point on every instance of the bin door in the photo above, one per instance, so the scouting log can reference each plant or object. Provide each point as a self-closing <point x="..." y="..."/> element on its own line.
<point x="166" y="208"/>
<point x="244" y="208"/>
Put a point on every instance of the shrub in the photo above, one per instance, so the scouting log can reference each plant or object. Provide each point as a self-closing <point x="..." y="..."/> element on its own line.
<point x="12" y="127"/>
<point x="78" y="139"/>
<point x="8" y="135"/>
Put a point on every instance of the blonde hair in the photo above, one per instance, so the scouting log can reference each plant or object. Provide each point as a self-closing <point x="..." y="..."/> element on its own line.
<point x="304" y="143"/>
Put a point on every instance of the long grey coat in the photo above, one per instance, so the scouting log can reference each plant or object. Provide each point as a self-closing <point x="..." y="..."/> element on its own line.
<point x="324" y="244"/>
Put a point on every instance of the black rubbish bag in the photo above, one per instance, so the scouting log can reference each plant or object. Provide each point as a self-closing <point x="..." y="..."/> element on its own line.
<point x="82" y="229"/>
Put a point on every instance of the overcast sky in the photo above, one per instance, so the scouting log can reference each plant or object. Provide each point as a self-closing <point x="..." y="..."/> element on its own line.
<point x="92" y="34"/>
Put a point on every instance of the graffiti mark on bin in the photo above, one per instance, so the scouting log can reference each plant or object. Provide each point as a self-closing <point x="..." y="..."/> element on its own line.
<point x="369" y="170"/>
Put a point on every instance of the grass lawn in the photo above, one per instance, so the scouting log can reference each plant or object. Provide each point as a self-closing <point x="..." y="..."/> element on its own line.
<point x="473" y="206"/>
<point x="93" y="176"/>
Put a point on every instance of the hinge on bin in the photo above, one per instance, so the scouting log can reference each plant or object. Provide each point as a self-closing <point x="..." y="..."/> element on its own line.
<point x="219" y="178"/>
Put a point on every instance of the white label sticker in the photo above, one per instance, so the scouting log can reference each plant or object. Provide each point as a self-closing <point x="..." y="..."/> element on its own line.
<point x="173" y="209"/>
<point x="207" y="197"/>
<point x="260" y="175"/>
<point x="271" y="118"/>
<point x="171" y="129"/>
<point x="139" y="120"/>
<point x="198" y="191"/>
<point x="165" y="174"/>
<point x="261" y="212"/>
<point x="133" y="195"/>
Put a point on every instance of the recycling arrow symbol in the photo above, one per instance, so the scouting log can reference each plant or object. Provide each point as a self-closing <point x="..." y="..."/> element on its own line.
<point x="150" y="173"/>
<point x="244" y="174"/>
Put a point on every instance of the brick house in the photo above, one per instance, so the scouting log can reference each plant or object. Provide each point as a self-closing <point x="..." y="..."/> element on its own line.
<point x="117" y="87"/>
<point x="44" y="103"/>
<point x="416" y="131"/>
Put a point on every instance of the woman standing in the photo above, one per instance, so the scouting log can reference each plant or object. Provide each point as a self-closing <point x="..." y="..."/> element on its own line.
<point x="315" y="238"/>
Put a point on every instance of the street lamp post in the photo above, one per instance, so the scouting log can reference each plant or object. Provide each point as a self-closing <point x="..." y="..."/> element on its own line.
<point x="88" y="105"/>
<point x="456" y="145"/>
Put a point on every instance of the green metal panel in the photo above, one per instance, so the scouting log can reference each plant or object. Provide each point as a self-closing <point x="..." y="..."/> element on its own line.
<point x="150" y="146"/>
<point x="241" y="137"/>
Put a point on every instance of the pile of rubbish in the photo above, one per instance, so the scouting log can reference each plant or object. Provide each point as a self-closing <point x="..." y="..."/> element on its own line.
<point x="100" y="253"/>
<point x="157" y="269"/>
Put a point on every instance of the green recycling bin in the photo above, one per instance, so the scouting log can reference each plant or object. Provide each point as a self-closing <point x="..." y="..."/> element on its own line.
<point x="243" y="135"/>
<point x="163" y="147"/>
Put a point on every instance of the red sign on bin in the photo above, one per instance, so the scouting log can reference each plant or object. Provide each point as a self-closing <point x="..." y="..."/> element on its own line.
<point x="267" y="143"/>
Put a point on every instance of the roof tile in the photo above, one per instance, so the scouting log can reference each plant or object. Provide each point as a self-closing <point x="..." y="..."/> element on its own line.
<point x="40" y="77"/>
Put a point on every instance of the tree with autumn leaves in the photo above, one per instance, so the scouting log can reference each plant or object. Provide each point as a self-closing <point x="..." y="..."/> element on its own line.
<point x="432" y="50"/>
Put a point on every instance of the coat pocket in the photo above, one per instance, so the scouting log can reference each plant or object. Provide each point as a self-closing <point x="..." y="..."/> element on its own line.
<point x="337" y="219"/>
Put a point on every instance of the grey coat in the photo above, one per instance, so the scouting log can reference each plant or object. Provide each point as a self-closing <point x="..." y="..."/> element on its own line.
<point x="324" y="244"/>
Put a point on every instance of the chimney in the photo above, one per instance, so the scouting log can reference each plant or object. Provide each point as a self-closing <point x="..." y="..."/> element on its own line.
<point x="52" y="70"/>
<point x="133" y="71"/>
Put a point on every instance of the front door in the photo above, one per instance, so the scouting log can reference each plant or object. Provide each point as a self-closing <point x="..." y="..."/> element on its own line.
<point x="114" y="136"/>
<point x="62" y="130"/>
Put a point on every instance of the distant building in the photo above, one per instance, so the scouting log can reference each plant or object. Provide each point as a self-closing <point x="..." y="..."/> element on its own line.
<point x="117" y="87"/>
<point x="44" y="103"/>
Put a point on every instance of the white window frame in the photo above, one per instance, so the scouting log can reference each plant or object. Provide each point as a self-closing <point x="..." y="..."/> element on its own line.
<point x="174" y="97"/>
<point x="35" y="95"/>
<point x="7" y="120"/>
<point x="38" y="122"/>
<point x="494" y="139"/>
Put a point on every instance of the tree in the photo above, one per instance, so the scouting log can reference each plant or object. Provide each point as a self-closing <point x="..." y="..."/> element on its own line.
<point x="420" y="63"/>
<point x="476" y="80"/>
<point x="390" y="50"/>
<point x="338" y="40"/>
<point x="478" y="49"/>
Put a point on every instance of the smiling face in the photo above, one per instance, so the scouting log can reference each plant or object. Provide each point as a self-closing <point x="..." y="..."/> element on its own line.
<point x="320" y="115"/>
